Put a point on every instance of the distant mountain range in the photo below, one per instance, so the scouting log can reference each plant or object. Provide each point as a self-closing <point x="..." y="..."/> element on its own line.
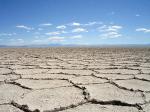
<point x="75" y="45"/>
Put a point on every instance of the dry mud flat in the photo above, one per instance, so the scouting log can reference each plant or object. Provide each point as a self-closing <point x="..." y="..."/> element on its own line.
<point x="75" y="80"/>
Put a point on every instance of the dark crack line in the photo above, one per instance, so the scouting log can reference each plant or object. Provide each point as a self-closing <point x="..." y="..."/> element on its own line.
<point x="24" y="108"/>
<point x="5" y="104"/>
<point x="115" y="102"/>
<point x="65" y="108"/>
<point x="85" y="92"/>
<point x="142" y="79"/>
<point x="124" y="88"/>
<point x="100" y="77"/>
<point x="113" y="83"/>
<point x="15" y="83"/>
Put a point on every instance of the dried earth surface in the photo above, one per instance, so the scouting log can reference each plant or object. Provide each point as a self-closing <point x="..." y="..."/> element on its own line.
<point x="74" y="80"/>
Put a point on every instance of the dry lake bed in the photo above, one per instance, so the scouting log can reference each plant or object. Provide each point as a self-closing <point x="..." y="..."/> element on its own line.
<point x="74" y="80"/>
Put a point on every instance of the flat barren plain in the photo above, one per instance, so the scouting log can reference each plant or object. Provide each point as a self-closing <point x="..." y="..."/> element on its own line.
<point x="74" y="80"/>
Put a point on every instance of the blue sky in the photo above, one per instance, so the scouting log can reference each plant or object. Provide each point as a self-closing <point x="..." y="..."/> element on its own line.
<point x="89" y="22"/>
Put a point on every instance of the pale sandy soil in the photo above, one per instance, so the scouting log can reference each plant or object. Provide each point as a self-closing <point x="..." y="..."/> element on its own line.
<point x="75" y="80"/>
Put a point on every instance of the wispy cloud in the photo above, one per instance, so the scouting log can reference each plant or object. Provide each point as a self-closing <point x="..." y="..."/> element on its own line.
<point x="64" y="32"/>
<point x="7" y="34"/>
<point x="46" y="24"/>
<point x="53" y="33"/>
<point x="61" y="27"/>
<point x="20" y="40"/>
<point x="56" y="39"/>
<point x="85" y="24"/>
<point x="77" y="30"/>
<point x="56" y="32"/>
<point x="92" y="23"/>
<point x="75" y="24"/>
<point x="110" y="35"/>
<point x="111" y="31"/>
<point x="106" y="28"/>
<point x="76" y="37"/>
<point x="24" y="27"/>
<point x="145" y="30"/>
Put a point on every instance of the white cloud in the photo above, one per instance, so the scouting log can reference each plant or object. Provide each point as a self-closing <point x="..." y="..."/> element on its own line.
<point x="77" y="37"/>
<point x="61" y="27"/>
<point x="86" y="24"/>
<point x="63" y="32"/>
<point x="77" y="30"/>
<point x="145" y="30"/>
<point x="46" y="24"/>
<point x="24" y="27"/>
<point x="116" y="27"/>
<point x="92" y="23"/>
<point x="56" y="32"/>
<point x="56" y="39"/>
<point x="106" y="28"/>
<point x="110" y="35"/>
<point x="7" y="34"/>
<point x="20" y="40"/>
<point x="53" y="33"/>
<point x="110" y="31"/>
<point x="75" y="24"/>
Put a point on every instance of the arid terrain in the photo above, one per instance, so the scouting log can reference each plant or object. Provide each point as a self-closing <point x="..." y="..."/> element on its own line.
<point x="74" y="79"/>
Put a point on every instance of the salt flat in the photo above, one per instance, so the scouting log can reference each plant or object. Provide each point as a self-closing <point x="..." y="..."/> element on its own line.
<point x="74" y="79"/>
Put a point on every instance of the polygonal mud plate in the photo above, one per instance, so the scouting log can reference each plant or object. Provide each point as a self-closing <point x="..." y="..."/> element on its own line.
<point x="50" y="99"/>
<point x="114" y="76"/>
<point x="76" y="72"/>
<point x="118" y="71"/>
<point x="30" y="71"/>
<point x="87" y="80"/>
<point x="48" y="76"/>
<point x="5" y="71"/>
<point x="146" y="107"/>
<point x="108" y="92"/>
<point x="143" y="76"/>
<point x="145" y="70"/>
<point x="147" y="97"/>
<point x="41" y="84"/>
<point x="9" y="92"/>
<point x="22" y="67"/>
<point x="134" y="84"/>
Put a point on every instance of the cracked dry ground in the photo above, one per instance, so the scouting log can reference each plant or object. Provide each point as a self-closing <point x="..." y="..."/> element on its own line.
<point x="75" y="80"/>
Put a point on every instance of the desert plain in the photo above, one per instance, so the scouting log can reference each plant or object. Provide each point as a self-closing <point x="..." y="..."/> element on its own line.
<point x="75" y="79"/>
